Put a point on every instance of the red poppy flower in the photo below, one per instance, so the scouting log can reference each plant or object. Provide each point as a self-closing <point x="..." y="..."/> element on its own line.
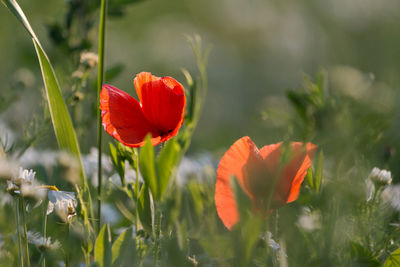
<point x="160" y="111"/>
<point x="256" y="170"/>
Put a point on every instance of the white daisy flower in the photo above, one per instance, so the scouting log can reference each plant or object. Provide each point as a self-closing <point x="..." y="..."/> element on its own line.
<point x="42" y="243"/>
<point x="89" y="58"/>
<point x="380" y="177"/>
<point x="391" y="195"/>
<point x="8" y="169"/>
<point x="309" y="220"/>
<point x="63" y="202"/>
<point x="24" y="183"/>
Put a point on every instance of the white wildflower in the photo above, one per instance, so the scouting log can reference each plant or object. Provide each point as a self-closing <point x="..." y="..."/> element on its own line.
<point x="63" y="202"/>
<point x="309" y="220"/>
<point x="32" y="157"/>
<point x="42" y="243"/>
<point x="89" y="58"/>
<point x="90" y="162"/>
<point x="27" y="175"/>
<point x="391" y="195"/>
<point x="272" y="243"/>
<point x="198" y="167"/>
<point x="70" y="167"/>
<point x="8" y="170"/>
<point x="380" y="177"/>
<point x="24" y="184"/>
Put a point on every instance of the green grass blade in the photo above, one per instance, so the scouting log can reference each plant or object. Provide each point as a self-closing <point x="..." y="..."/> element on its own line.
<point x="59" y="114"/>
<point x="60" y="117"/>
<point x="318" y="171"/>
<point x="124" y="250"/>
<point x="148" y="168"/>
<point x="13" y="6"/>
<point x="102" y="247"/>
<point x="167" y="164"/>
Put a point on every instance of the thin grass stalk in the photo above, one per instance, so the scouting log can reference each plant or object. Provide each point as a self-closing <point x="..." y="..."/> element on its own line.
<point x="100" y="80"/>
<point x="44" y="232"/>
<point x="21" y="257"/>
<point x="66" y="264"/>
<point x="158" y="221"/>
<point x="28" y="262"/>
<point x="137" y="189"/>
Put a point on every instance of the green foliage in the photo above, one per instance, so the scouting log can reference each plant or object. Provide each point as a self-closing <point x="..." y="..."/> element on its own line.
<point x="148" y="168"/>
<point x="167" y="164"/>
<point x="124" y="250"/>
<point x="338" y="220"/>
<point x="62" y="123"/>
<point x="394" y="259"/>
<point x="144" y="209"/>
<point x="103" y="248"/>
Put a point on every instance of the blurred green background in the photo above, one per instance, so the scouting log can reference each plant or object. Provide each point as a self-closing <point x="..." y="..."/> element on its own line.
<point x="260" y="49"/>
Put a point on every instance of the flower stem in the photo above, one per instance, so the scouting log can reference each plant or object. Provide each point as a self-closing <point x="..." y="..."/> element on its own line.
<point x="21" y="257"/>
<point x="100" y="80"/>
<point x="137" y="189"/>
<point x="28" y="263"/>
<point x="44" y="232"/>
<point x="157" y="234"/>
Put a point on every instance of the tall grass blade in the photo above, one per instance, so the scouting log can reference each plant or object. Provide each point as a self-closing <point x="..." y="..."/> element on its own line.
<point x="60" y="117"/>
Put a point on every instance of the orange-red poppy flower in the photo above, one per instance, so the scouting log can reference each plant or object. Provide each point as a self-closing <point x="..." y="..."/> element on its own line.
<point x="257" y="171"/>
<point x="160" y="111"/>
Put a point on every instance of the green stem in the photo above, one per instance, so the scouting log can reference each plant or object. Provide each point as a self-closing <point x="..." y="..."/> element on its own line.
<point x="44" y="231"/>
<point x="66" y="264"/>
<point x="100" y="80"/>
<point x="28" y="263"/>
<point x="157" y="234"/>
<point x="137" y="189"/>
<point x="21" y="257"/>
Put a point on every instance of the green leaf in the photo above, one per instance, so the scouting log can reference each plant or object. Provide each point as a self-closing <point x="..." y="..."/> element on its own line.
<point x="124" y="250"/>
<point x="166" y="164"/>
<point x="394" y="259"/>
<point x="243" y="201"/>
<point x="195" y="193"/>
<point x="148" y="168"/>
<point x="318" y="171"/>
<point x="60" y="117"/>
<point x="102" y="247"/>
<point x="118" y="163"/>
<point x="144" y="209"/>
<point x="309" y="178"/>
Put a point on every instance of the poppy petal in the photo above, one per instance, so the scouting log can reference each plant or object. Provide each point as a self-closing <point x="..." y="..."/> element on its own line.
<point x="307" y="154"/>
<point x="123" y="117"/>
<point x="163" y="104"/>
<point x="293" y="173"/>
<point x="233" y="163"/>
<point x="271" y="155"/>
<point x="143" y="78"/>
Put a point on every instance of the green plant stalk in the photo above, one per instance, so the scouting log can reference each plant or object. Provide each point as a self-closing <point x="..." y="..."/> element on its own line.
<point x="28" y="263"/>
<point x="66" y="264"/>
<point x="61" y="120"/>
<point x="44" y="232"/>
<point x="157" y="220"/>
<point x="137" y="189"/>
<point x="100" y="80"/>
<point x="21" y="257"/>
